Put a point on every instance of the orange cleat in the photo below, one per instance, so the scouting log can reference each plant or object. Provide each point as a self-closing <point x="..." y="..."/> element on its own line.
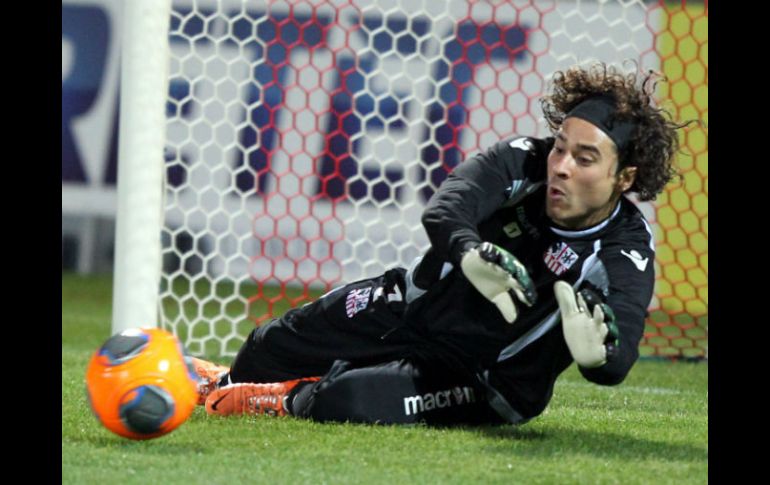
<point x="209" y="375"/>
<point x="248" y="398"/>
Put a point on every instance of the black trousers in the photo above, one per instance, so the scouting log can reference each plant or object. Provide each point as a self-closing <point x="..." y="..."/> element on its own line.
<point x="375" y="366"/>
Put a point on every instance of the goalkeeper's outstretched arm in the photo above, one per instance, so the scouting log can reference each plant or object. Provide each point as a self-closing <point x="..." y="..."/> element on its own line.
<point x="603" y="334"/>
<point x="469" y="195"/>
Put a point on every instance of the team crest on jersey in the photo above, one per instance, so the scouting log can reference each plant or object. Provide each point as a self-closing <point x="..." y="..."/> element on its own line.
<point x="357" y="300"/>
<point x="560" y="257"/>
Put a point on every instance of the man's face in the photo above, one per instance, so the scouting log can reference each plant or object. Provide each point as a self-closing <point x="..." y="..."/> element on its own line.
<point x="583" y="186"/>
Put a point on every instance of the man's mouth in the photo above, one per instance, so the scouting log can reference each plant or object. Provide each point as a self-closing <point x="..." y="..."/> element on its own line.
<point x="556" y="193"/>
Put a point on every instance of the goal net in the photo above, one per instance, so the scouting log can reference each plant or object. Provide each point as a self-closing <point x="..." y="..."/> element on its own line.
<point x="304" y="138"/>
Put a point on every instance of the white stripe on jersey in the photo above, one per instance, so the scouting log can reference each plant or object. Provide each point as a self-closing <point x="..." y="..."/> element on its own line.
<point x="649" y="230"/>
<point x="550" y="321"/>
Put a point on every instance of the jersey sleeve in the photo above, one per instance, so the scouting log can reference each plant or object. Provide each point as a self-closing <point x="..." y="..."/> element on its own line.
<point x="631" y="280"/>
<point x="475" y="190"/>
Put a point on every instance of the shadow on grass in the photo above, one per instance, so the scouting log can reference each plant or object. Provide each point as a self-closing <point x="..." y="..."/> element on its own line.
<point x="557" y="440"/>
<point x="158" y="446"/>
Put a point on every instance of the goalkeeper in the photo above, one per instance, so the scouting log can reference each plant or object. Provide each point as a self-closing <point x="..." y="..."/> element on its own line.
<point x="537" y="259"/>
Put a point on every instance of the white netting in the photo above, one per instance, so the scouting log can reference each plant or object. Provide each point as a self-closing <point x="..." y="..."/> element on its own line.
<point x="305" y="137"/>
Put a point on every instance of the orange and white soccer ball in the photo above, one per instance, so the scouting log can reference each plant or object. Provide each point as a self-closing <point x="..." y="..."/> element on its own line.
<point x="139" y="384"/>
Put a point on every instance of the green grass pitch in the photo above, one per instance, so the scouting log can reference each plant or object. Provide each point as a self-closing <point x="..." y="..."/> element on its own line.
<point x="653" y="428"/>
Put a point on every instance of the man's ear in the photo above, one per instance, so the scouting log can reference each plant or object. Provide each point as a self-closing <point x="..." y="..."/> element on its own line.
<point x="626" y="178"/>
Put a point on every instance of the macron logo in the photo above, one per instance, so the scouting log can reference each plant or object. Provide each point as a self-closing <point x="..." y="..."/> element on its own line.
<point x="439" y="399"/>
<point x="636" y="258"/>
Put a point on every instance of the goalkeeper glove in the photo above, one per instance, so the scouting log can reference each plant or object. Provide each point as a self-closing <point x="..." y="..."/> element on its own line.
<point x="592" y="336"/>
<point x="499" y="276"/>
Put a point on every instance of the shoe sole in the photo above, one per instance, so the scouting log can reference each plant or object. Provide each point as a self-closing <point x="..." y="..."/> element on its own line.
<point x="235" y="400"/>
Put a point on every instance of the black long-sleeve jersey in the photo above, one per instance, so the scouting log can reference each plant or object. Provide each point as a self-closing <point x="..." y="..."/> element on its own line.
<point x="499" y="196"/>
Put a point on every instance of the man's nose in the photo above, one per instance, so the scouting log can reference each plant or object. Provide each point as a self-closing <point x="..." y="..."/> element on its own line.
<point x="562" y="165"/>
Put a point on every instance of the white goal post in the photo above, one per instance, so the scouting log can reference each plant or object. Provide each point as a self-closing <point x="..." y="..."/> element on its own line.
<point x="144" y="87"/>
<point x="272" y="150"/>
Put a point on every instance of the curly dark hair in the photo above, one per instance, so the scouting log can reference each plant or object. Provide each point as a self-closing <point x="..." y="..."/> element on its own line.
<point x="654" y="141"/>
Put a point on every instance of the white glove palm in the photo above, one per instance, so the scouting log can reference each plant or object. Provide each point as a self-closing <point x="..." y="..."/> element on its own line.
<point x="585" y="333"/>
<point x="499" y="276"/>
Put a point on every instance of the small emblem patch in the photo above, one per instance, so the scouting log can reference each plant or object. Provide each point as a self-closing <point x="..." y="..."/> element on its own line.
<point x="560" y="257"/>
<point x="512" y="230"/>
<point x="636" y="258"/>
<point x="357" y="300"/>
